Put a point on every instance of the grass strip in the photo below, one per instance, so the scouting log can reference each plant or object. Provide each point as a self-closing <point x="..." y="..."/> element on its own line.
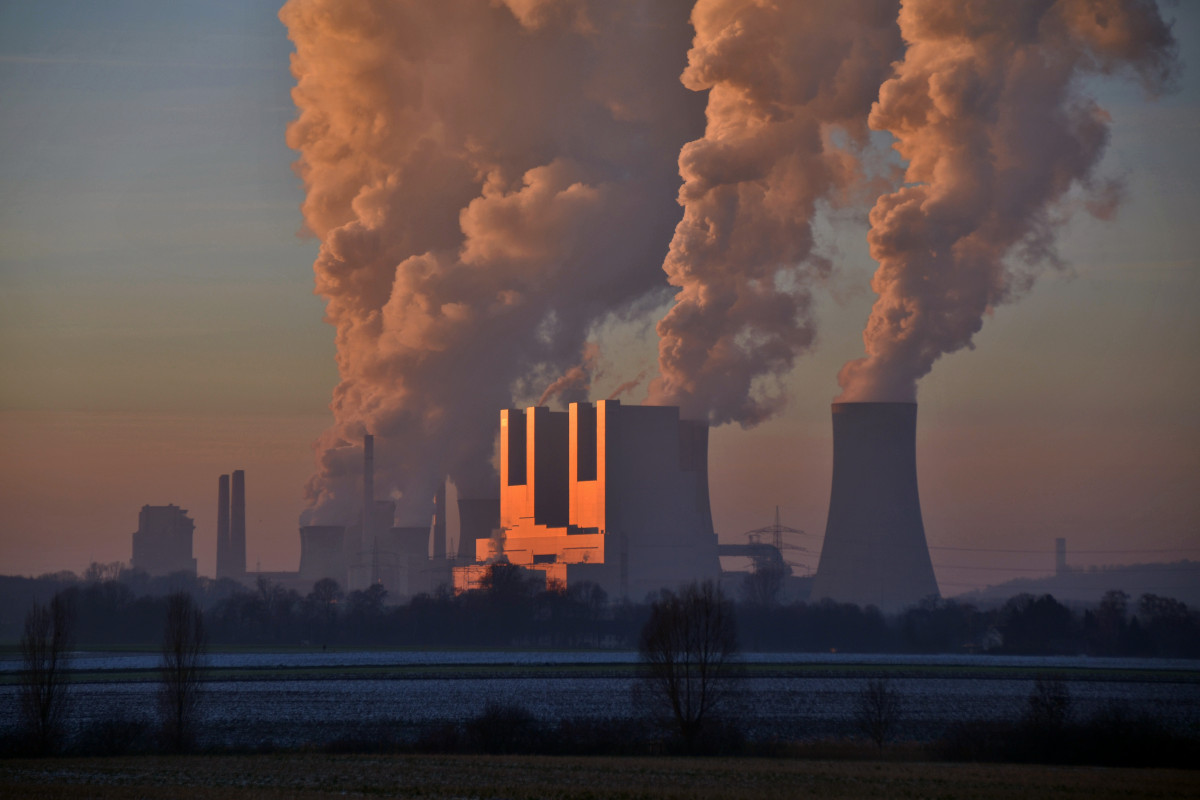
<point x="314" y="775"/>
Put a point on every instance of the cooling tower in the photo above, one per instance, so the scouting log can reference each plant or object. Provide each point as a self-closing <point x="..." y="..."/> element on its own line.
<point x="875" y="551"/>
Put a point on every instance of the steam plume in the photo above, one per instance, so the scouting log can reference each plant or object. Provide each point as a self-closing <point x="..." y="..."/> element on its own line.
<point x="782" y="78"/>
<point x="989" y="111"/>
<point x="627" y="386"/>
<point x="488" y="181"/>
<point x="575" y="382"/>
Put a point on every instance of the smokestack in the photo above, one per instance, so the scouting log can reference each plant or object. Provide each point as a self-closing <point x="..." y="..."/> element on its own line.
<point x="439" y="522"/>
<point x="875" y="551"/>
<point x="223" y="540"/>
<point x="1060" y="556"/>
<point x="237" y="526"/>
<point x="368" y="505"/>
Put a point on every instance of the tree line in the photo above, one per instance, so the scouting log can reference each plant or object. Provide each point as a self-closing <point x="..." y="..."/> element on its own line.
<point x="123" y="607"/>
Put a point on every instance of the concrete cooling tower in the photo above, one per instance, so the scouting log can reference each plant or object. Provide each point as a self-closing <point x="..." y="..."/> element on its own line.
<point x="875" y="551"/>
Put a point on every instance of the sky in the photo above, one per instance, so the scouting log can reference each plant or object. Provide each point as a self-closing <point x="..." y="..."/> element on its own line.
<point x="158" y="325"/>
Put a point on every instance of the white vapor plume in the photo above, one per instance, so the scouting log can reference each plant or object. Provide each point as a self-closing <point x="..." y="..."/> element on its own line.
<point x="784" y="80"/>
<point x="488" y="182"/>
<point x="989" y="111"/>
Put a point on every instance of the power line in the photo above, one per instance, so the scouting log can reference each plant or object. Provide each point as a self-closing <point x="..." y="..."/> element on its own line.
<point x="1051" y="569"/>
<point x="1070" y="551"/>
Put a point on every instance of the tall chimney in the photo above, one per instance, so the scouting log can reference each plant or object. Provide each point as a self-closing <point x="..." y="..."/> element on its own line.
<point x="439" y="522"/>
<point x="1060" y="556"/>
<point x="367" y="543"/>
<point x="875" y="551"/>
<point x="237" y="526"/>
<point x="223" y="541"/>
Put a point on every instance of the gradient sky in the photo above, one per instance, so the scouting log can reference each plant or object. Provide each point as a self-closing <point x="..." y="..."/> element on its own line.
<point x="158" y="328"/>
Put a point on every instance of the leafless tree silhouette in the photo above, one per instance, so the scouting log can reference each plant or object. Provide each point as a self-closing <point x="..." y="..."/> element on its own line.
<point x="878" y="711"/>
<point x="183" y="648"/>
<point x="688" y="651"/>
<point x="45" y="653"/>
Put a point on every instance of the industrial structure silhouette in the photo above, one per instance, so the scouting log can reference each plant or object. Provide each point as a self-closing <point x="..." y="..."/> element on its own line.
<point x="613" y="494"/>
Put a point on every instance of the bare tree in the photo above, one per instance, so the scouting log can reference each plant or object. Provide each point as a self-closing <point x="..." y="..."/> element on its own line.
<point x="45" y="655"/>
<point x="688" y="651"/>
<point x="878" y="711"/>
<point x="183" y="648"/>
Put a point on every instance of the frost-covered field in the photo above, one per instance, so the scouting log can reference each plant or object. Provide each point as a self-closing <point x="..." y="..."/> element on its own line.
<point x="452" y="687"/>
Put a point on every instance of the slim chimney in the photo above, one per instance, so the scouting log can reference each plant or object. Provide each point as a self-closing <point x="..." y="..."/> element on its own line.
<point x="439" y="522"/>
<point x="1060" y="556"/>
<point x="223" y="540"/>
<point x="237" y="526"/>
<point x="368" y="504"/>
<point x="875" y="551"/>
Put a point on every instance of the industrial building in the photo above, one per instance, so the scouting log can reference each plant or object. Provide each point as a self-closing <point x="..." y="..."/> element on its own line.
<point x="162" y="544"/>
<point x="612" y="494"/>
<point x="618" y="495"/>
<point x="373" y="550"/>
<point x="875" y="551"/>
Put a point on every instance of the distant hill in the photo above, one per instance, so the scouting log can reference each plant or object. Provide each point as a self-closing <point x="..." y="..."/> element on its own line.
<point x="1177" y="579"/>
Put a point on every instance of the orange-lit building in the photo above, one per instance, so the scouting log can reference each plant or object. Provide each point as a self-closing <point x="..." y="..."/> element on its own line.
<point x="613" y="494"/>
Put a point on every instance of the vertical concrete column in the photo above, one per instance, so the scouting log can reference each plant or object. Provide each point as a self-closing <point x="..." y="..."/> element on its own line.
<point x="237" y="525"/>
<point x="223" y="541"/>
<point x="439" y="522"/>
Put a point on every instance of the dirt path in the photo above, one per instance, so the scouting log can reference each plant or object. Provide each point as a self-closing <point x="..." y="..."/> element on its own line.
<point x="569" y="778"/>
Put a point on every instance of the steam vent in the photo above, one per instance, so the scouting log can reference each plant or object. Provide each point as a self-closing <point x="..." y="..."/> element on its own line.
<point x="875" y="551"/>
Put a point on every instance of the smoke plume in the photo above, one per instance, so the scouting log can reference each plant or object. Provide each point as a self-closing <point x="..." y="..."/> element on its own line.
<point x="627" y="386"/>
<point x="989" y="110"/>
<point x="784" y="80"/>
<point x="487" y="181"/>
<point x="574" y="383"/>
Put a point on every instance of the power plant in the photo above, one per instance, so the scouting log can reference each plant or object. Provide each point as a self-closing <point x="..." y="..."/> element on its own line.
<point x="612" y="494"/>
<point x="875" y="551"/>
<point x="618" y="495"/>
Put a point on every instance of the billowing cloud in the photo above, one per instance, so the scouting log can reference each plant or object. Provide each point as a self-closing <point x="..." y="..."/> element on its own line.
<point x="488" y="181"/>
<point x="784" y="81"/>
<point x="989" y="109"/>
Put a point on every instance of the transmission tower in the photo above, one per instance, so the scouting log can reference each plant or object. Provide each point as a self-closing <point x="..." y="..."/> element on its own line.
<point x="773" y="535"/>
